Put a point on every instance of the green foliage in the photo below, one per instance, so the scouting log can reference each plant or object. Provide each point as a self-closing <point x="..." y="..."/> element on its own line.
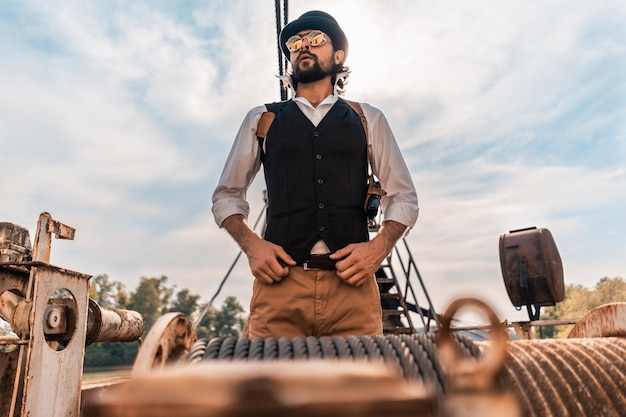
<point x="102" y="290"/>
<point x="185" y="302"/>
<point x="152" y="298"/>
<point x="227" y="322"/>
<point x="580" y="300"/>
<point x="110" y="354"/>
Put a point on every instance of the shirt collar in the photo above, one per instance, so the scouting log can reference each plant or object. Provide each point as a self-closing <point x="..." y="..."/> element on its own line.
<point x="286" y="79"/>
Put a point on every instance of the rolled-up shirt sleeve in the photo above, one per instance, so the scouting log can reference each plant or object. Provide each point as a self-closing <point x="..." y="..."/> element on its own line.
<point x="400" y="203"/>
<point x="242" y="165"/>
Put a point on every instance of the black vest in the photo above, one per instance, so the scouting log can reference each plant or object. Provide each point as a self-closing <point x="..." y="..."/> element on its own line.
<point x="316" y="179"/>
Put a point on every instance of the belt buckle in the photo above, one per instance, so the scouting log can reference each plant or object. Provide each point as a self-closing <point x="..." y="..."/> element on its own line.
<point x="306" y="267"/>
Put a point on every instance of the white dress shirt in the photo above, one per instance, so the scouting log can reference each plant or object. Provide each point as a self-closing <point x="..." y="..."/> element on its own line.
<point x="243" y="163"/>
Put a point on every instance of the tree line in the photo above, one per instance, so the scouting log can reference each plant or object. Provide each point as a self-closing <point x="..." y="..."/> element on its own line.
<point x="579" y="300"/>
<point x="153" y="298"/>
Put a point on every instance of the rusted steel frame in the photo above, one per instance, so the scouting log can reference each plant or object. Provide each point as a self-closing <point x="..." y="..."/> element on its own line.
<point x="48" y="381"/>
<point x="51" y="378"/>
<point x="534" y="323"/>
<point x="521" y="328"/>
<point x="46" y="227"/>
<point x="15" y="279"/>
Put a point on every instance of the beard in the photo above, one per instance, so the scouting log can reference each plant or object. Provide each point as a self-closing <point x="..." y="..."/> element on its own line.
<point x="311" y="73"/>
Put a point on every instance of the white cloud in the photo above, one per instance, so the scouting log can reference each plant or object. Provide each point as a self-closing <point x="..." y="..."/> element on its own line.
<point x="118" y="118"/>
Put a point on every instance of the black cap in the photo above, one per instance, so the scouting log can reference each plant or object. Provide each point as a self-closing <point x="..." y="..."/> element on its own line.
<point x="315" y="19"/>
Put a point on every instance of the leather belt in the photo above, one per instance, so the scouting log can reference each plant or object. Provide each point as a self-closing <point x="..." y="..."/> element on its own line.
<point x="317" y="262"/>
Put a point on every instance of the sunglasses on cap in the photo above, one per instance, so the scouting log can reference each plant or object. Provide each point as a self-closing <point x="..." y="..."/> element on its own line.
<point x="314" y="38"/>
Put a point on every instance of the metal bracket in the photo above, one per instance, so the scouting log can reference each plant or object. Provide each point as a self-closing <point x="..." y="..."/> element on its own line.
<point x="523" y="282"/>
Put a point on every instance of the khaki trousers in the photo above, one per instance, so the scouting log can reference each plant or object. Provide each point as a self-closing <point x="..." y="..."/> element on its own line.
<point x="314" y="303"/>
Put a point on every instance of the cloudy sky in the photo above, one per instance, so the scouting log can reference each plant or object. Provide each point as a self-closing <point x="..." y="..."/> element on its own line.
<point x="116" y="117"/>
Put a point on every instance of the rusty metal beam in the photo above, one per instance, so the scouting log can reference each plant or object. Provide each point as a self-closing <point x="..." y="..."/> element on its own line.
<point x="113" y="325"/>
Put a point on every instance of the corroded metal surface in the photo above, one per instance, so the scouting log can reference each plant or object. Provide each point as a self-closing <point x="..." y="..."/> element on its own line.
<point x="10" y="279"/>
<point x="14" y="243"/>
<point x="538" y="254"/>
<point x="113" y="325"/>
<point x="120" y="326"/>
<point x="168" y="341"/>
<point x="608" y="320"/>
<point x="8" y="303"/>
<point x="48" y="308"/>
<point x="473" y="385"/>
<point x="568" y="377"/>
<point x="470" y="374"/>
<point x="52" y="377"/>
<point x="47" y="373"/>
<point x="46" y="228"/>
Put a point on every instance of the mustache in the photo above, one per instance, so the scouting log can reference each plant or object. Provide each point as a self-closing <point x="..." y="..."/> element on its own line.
<point x="307" y="55"/>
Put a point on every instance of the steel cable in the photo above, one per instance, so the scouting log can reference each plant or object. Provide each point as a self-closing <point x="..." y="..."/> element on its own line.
<point x="342" y="347"/>
<point x="582" y="377"/>
<point x="227" y="349"/>
<point x="197" y="350"/>
<point x="412" y="356"/>
<point x="328" y="347"/>
<point x="241" y="348"/>
<point x="285" y="348"/>
<point x="213" y="348"/>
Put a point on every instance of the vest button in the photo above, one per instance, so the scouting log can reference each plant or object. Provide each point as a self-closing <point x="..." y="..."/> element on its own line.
<point x="316" y="134"/>
<point x="320" y="181"/>
<point x="321" y="228"/>
<point x="318" y="157"/>
<point x="321" y="206"/>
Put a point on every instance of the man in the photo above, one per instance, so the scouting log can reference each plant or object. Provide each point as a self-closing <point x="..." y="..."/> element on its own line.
<point x="314" y="268"/>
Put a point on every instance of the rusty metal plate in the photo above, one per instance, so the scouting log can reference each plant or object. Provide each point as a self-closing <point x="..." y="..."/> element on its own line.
<point x="608" y="320"/>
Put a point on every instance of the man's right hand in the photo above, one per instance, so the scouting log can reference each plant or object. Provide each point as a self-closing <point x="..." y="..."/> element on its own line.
<point x="264" y="257"/>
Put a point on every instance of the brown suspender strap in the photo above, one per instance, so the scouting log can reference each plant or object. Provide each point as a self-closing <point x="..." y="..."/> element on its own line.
<point x="264" y="124"/>
<point x="267" y="118"/>
<point x="357" y="109"/>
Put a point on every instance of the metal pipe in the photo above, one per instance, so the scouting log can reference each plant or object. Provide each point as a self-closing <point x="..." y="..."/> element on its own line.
<point x="8" y="304"/>
<point x="119" y="326"/>
<point x="16" y="310"/>
<point x="112" y="325"/>
<point x="103" y="324"/>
